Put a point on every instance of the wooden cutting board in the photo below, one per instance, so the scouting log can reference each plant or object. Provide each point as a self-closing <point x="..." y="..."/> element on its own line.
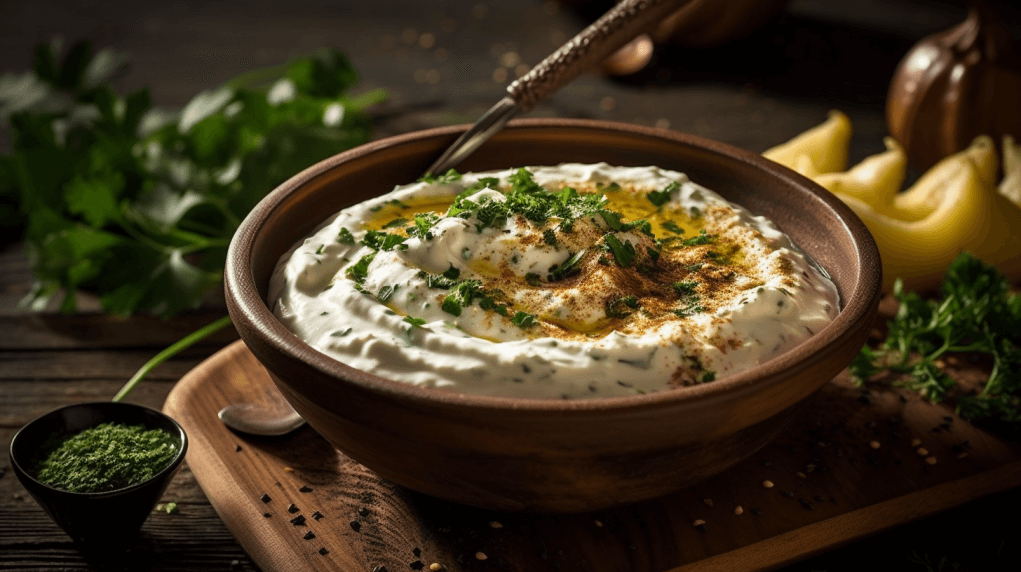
<point x="854" y="463"/>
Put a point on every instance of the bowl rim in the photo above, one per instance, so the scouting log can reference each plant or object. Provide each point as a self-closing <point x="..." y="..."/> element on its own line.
<point x="164" y="473"/>
<point x="251" y="313"/>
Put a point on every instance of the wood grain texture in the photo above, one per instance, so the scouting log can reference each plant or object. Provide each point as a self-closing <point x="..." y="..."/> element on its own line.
<point x="845" y="469"/>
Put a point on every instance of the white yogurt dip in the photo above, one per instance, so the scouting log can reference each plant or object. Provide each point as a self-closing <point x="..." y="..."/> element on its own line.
<point x="572" y="281"/>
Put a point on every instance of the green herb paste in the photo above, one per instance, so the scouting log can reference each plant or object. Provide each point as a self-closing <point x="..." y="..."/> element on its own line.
<point x="107" y="457"/>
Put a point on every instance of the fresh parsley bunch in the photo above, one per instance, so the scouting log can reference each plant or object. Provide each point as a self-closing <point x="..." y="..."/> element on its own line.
<point x="138" y="204"/>
<point x="977" y="313"/>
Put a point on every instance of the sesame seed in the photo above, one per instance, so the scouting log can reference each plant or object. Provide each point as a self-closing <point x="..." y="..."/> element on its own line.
<point x="495" y="524"/>
<point x="922" y="451"/>
<point x="800" y="474"/>
<point x="267" y="515"/>
<point x="324" y="551"/>
<point x="916" y="442"/>
<point x="305" y="489"/>
<point x="874" y="444"/>
<point x="309" y="535"/>
<point x="599" y="523"/>
<point x="480" y="555"/>
<point x="738" y="510"/>
<point x="698" y="522"/>
<point x="435" y="566"/>
<point x="930" y="460"/>
<point x="288" y="470"/>
<point x="767" y="484"/>
<point x="962" y="455"/>
<point x="708" y="502"/>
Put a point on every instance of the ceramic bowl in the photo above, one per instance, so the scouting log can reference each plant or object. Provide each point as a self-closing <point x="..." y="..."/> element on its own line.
<point x="551" y="455"/>
<point x="96" y="520"/>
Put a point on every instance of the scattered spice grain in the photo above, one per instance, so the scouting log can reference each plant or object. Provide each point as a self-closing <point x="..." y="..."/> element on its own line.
<point x="480" y="555"/>
<point x="355" y="525"/>
<point x="916" y="442"/>
<point x="708" y="502"/>
<point x="288" y="470"/>
<point x="930" y="460"/>
<point x="802" y="475"/>
<point x="305" y="489"/>
<point x="292" y="508"/>
<point x="599" y="523"/>
<point x="324" y="551"/>
<point x="698" y="522"/>
<point x="495" y="524"/>
<point x="767" y="484"/>
<point x="309" y="535"/>
<point x="317" y="515"/>
<point x="738" y="510"/>
<point x="265" y="498"/>
<point x="922" y="451"/>
<point x="874" y="444"/>
<point x="298" y="520"/>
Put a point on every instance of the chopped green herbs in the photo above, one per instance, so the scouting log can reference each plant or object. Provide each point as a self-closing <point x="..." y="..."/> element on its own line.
<point x="532" y="279"/>
<point x="977" y="313"/>
<point x="690" y="309"/>
<point x="387" y="292"/>
<point x="359" y="270"/>
<point x="621" y="307"/>
<point x="383" y="241"/>
<point x="449" y="177"/>
<point x="623" y="252"/>
<point x="549" y="237"/>
<point x="415" y="322"/>
<point x="570" y="267"/>
<point x="660" y="198"/>
<point x="672" y="227"/>
<point x="345" y="237"/>
<point x="397" y="223"/>
<point x="524" y="320"/>
<point x="340" y="333"/>
<point x="106" y="457"/>
<point x="460" y="296"/>
<point x="702" y="238"/>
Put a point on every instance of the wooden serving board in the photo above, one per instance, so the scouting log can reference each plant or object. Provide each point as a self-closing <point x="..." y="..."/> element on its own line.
<point x="854" y="463"/>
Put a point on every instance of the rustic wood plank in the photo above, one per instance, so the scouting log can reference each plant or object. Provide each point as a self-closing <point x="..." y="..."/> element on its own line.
<point x="848" y="468"/>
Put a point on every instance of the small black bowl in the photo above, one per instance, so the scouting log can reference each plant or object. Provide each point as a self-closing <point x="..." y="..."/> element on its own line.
<point x="104" y="519"/>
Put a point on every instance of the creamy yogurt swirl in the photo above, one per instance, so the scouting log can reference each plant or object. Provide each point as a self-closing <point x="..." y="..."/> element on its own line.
<point x="571" y="281"/>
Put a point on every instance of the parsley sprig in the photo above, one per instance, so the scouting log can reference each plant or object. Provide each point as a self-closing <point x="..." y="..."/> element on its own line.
<point x="138" y="204"/>
<point x="977" y="313"/>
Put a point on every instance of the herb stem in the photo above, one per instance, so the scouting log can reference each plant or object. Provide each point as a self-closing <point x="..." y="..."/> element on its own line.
<point x="171" y="351"/>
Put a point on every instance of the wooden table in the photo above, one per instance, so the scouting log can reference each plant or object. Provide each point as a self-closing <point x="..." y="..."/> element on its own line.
<point x="441" y="63"/>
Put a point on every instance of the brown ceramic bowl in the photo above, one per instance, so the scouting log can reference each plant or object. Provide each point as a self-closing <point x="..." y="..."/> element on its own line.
<point x="551" y="455"/>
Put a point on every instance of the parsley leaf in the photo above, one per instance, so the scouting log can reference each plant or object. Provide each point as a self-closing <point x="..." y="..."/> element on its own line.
<point x="623" y="252"/>
<point x="345" y="236"/>
<point x="138" y="204"/>
<point x="621" y="307"/>
<point x="672" y="227"/>
<point x="382" y="240"/>
<point x="570" y="267"/>
<point x="660" y="198"/>
<point x="702" y="238"/>
<point x="977" y="313"/>
<point x="524" y="320"/>
<point x="449" y="177"/>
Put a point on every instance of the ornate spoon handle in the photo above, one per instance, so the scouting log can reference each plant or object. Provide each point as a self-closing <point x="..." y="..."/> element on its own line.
<point x="620" y="25"/>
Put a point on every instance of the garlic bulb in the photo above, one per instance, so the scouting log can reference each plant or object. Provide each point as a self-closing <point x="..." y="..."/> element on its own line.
<point x="954" y="86"/>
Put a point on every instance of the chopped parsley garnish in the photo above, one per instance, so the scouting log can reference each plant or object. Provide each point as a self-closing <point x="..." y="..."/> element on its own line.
<point x="340" y="334"/>
<point x="345" y="236"/>
<point x="660" y="198"/>
<point x="449" y="177"/>
<point x="423" y="224"/>
<point x="686" y="288"/>
<point x="549" y="237"/>
<point x="524" y="320"/>
<point x="702" y="238"/>
<point x="532" y="279"/>
<point x="320" y="249"/>
<point x="397" y="223"/>
<point x="570" y="267"/>
<point x="359" y="270"/>
<point x="461" y="295"/>
<point x="612" y="220"/>
<point x="708" y="376"/>
<point x="387" y="292"/>
<point x="623" y="252"/>
<point x="382" y="241"/>
<point x="415" y="322"/>
<point x="621" y="307"/>
<point x="672" y="227"/>
<point x="451" y="273"/>
<point x="691" y="309"/>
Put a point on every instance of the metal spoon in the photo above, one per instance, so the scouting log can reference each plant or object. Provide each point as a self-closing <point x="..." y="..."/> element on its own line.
<point x="622" y="24"/>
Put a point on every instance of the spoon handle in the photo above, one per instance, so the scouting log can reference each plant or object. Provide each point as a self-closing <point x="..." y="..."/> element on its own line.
<point x="592" y="45"/>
